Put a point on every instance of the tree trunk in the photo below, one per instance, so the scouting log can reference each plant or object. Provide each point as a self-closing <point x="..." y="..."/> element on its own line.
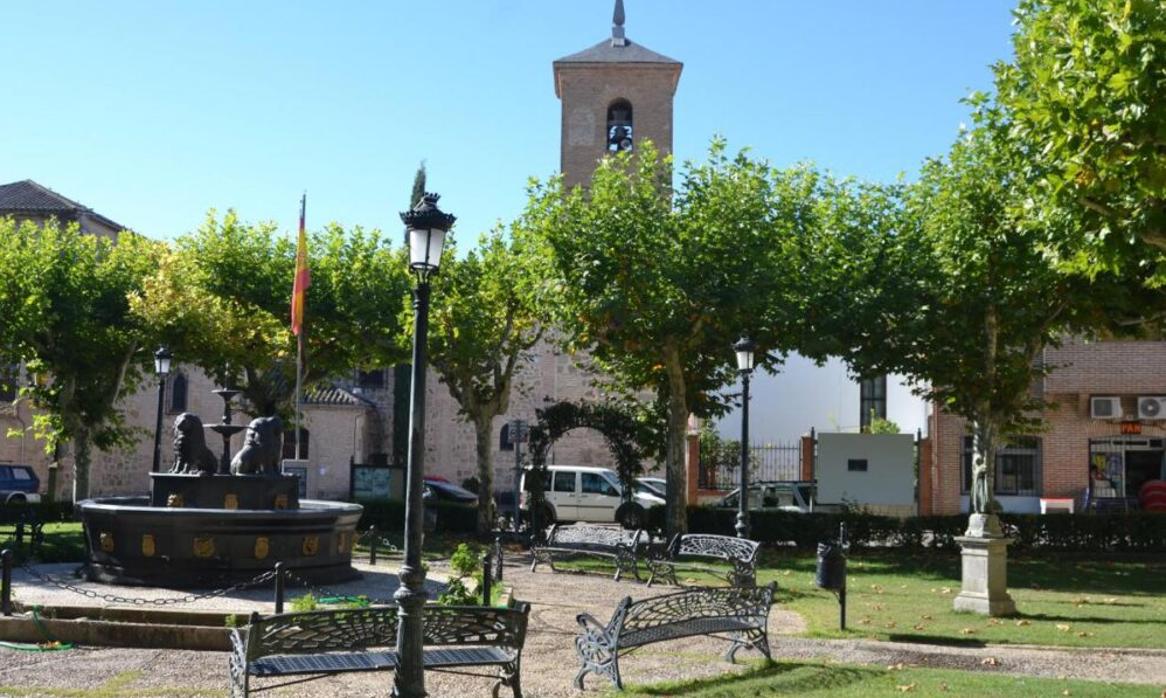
<point x="984" y="428"/>
<point x="80" y="464"/>
<point x="676" y="507"/>
<point x="484" y="442"/>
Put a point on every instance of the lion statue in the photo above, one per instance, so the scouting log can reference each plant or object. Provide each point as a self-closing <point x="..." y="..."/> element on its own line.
<point x="262" y="448"/>
<point x="191" y="455"/>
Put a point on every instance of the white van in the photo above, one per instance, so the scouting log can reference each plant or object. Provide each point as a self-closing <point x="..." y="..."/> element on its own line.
<point x="583" y="493"/>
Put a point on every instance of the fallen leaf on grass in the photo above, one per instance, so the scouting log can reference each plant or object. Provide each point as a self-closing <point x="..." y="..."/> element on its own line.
<point x="994" y="621"/>
<point x="891" y="624"/>
<point x="865" y="621"/>
<point x="943" y="687"/>
<point x="920" y="626"/>
<point x="968" y="631"/>
<point x="908" y="688"/>
<point x="895" y="667"/>
<point x="1066" y="692"/>
<point x="925" y="617"/>
<point x="877" y="606"/>
<point x="1064" y="627"/>
<point x="1024" y="622"/>
<point x="945" y="590"/>
<point x="990" y="661"/>
<point x="1111" y="601"/>
<point x="1084" y="634"/>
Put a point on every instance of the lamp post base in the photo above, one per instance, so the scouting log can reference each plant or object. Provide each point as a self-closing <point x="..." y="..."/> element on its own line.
<point x="985" y="569"/>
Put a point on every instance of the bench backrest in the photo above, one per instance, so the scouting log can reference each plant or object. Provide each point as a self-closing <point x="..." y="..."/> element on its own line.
<point x="311" y="632"/>
<point x="746" y="603"/>
<point x="594" y="535"/>
<point x="476" y="625"/>
<point x="711" y="545"/>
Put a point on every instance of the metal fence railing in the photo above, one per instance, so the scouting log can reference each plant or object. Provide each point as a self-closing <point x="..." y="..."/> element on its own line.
<point x="719" y="470"/>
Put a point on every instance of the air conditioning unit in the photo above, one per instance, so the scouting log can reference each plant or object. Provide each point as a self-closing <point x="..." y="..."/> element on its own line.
<point x="1108" y="407"/>
<point x="1151" y="407"/>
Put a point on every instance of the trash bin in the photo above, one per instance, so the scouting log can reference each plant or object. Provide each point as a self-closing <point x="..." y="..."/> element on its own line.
<point x="831" y="567"/>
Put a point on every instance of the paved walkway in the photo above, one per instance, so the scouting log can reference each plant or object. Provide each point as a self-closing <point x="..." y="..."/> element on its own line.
<point x="548" y="660"/>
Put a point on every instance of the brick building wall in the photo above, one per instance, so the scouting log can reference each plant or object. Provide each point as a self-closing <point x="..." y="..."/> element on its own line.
<point x="1080" y="370"/>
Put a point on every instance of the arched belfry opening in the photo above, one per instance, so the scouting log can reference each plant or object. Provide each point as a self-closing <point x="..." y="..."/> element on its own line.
<point x="619" y="126"/>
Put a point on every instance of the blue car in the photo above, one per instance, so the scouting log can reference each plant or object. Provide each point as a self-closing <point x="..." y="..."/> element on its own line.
<point x="18" y="484"/>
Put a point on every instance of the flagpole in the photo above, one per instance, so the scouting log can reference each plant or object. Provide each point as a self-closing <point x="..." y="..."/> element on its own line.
<point x="300" y="343"/>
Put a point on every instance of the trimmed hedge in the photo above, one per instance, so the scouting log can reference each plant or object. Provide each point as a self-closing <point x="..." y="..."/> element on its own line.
<point x="1133" y="532"/>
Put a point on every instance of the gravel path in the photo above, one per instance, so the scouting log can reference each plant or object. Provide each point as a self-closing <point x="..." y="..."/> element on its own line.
<point x="548" y="659"/>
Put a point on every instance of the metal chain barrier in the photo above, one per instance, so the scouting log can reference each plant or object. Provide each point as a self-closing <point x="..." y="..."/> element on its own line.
<point x="258" y="580"/>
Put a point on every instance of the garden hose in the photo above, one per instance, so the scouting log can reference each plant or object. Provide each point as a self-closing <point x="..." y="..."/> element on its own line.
<point x="49" y="644"/>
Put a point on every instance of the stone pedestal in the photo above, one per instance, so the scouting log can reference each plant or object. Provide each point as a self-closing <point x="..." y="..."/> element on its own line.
<point x="985" y="568"/>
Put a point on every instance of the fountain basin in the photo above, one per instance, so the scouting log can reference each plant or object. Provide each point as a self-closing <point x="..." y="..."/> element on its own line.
<point x="131" y="542"/>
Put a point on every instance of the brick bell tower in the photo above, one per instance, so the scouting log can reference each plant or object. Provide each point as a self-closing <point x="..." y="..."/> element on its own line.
<point x="614" y="94"/>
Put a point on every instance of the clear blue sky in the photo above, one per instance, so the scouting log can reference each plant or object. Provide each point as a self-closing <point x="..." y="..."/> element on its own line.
<point x="151" y="112"/>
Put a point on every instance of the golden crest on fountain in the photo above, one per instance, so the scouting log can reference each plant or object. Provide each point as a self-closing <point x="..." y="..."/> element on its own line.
<point x="148" y="545"/>
<point x="262" y="547"/>
<point x="311" y="545"/>
<point x="204" y="546"/>
<point x="106" y="540"/>
<point x="231" y="501"/>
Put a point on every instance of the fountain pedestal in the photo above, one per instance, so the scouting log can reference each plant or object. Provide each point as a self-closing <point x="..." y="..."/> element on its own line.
<point x="224" y="491"/>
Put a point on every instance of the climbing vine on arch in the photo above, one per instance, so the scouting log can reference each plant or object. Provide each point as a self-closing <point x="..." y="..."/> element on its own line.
<point x="630" y="440"/>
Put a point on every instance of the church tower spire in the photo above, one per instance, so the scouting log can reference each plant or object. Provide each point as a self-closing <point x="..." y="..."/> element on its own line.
<point x="615" y="94"/>
<point x="618" y="38"/>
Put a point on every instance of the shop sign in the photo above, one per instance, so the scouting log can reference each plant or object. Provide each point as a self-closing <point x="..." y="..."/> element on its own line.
<point x="1132" y="428"/>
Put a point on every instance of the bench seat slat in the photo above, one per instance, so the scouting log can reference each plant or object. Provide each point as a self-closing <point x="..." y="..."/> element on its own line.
<point x="332" y="662"/>
<point x="467" y="656"/>
<point x="684" y="628"/>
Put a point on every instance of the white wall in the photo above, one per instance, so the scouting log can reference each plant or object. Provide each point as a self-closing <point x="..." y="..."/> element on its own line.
<point x="889" y="479"/>
<point x="785" y="406"/>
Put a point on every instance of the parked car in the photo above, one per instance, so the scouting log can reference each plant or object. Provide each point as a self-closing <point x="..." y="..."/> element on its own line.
<point x="442" y="490"/>
<point x="584" y="493"/>
<point x="659" y="484"/>
<point x="18" y="484"/>
<point x="789" y="495"/>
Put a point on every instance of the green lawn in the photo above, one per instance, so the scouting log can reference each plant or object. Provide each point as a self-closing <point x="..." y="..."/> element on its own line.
<point x="841" y="680"/>
<point x="1077" y="603"/>
<point x="898" y="597"/>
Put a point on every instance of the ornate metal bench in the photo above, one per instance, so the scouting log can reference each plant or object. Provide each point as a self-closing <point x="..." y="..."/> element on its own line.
<point x="619" y="544"/>
<point x="688" y="549"/>
<point x="314" y="644"/>
<point x="740" y="613"/>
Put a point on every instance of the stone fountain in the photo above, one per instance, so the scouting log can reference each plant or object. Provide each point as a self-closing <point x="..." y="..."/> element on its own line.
<point x="213" y="521"/>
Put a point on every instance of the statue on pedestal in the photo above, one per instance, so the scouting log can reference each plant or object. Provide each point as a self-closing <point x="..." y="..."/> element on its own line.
<point x="191" y="455"/>
<point x="262" y="449"/>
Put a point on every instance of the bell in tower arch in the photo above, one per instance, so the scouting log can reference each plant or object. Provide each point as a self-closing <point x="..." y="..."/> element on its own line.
<point x="619" y="126"/>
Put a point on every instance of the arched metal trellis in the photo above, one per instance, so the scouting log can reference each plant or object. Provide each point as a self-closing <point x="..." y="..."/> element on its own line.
<point x="626" y="438"/>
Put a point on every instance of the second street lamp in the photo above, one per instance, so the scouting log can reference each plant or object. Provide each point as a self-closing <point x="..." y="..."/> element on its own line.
<point x="746" y="355"/>
<point x="427" y="226"/>
<point x="162" y="359"/>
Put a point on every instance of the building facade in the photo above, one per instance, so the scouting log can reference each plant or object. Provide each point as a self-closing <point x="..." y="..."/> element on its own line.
<point x="1104" y="435"/>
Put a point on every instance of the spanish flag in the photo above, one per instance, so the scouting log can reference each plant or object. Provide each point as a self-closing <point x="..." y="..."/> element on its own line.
<point x="303" y="278"/>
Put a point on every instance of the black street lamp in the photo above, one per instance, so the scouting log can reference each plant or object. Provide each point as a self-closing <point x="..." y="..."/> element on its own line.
<point x="162" y="369"/>
<point x="745" y="349"/>
<point x="426" y="226"/>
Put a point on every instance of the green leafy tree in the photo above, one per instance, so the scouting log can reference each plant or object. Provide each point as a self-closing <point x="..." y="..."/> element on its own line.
<point x="657" y="283"/>
<point x="977" y="295"/>
<point x="65" y="314"/>
<point x="1085" y="98"/>
<point x="484" y="320"/>
<point x="222" y="301"/>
